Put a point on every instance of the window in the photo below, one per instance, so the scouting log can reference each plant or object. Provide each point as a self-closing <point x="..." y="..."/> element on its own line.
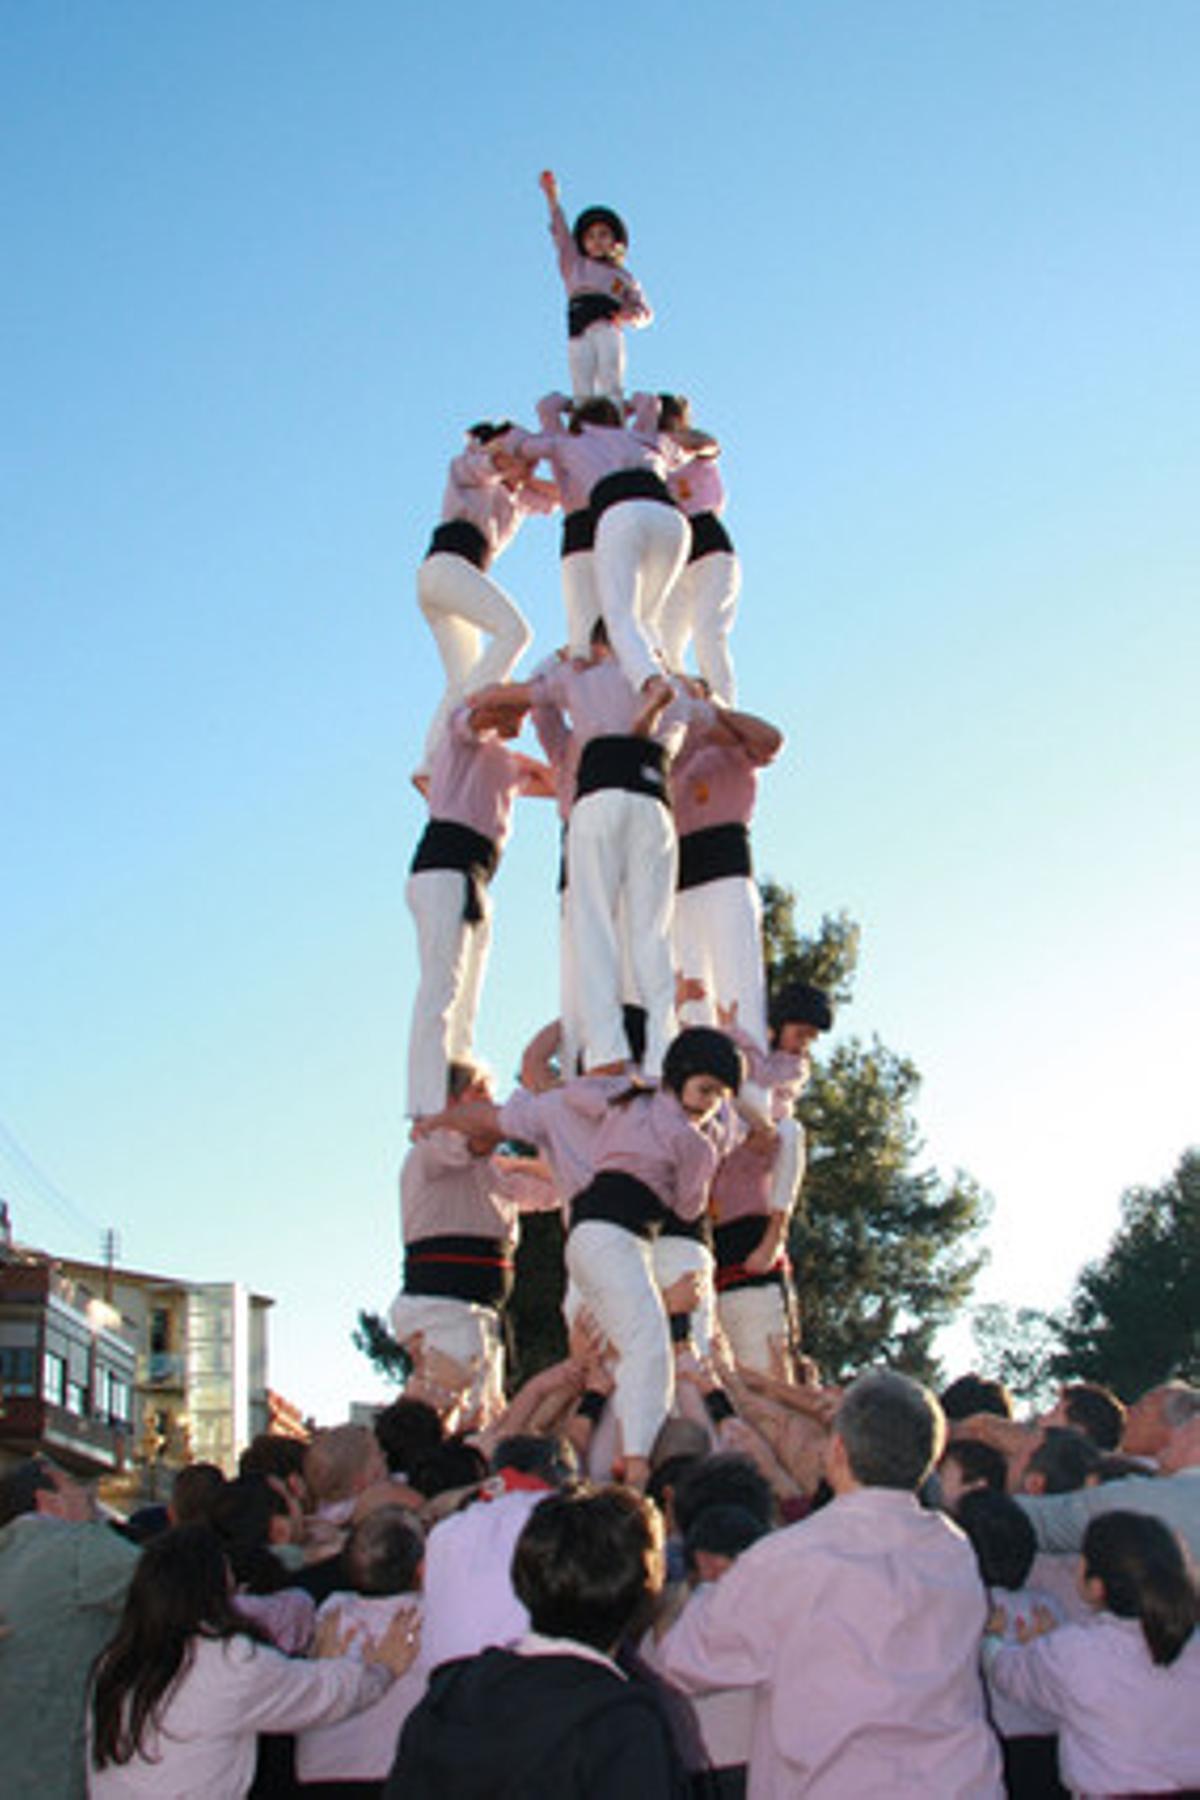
<point x="54" y="1378"/>
<point x="17" y="1369"/>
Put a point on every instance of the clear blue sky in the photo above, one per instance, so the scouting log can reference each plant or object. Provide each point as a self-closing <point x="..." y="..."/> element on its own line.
<point x="929" y="271"/>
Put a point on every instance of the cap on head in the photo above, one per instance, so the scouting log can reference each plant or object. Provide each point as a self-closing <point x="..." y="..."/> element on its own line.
<point x="701" y="1050"/>
<point x="802" y="1003"/>
<point x="599" y="215"/>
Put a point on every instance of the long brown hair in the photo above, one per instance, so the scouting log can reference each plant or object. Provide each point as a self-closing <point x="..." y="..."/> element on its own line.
<point x="180" y="1591"/>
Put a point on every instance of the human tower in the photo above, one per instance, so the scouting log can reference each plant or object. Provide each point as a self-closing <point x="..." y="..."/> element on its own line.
<point x="673" y="1152"/>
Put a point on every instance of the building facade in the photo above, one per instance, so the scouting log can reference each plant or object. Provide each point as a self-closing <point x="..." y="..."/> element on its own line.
<point x="67" y="1371"/>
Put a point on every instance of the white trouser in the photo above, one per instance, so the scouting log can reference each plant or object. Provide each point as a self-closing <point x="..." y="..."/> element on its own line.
<point x="452" y="956"/>
<point x="468" y="1333"/>
<point x="621" y="854"/>
<point x="790" y="1163"/>
<point x="718" y="940"/>
<point x="753" y="1318"/>
<point x="581" y="600"/>
<point x="613" y="1274"/>
<point x="462" y="604"/>
<point x="701" y="606"/>
<point x="676" y="1256"/>
<point x="570" y="1044"/>
<point x="597" y="361"/>
<point x="641" y="545"/>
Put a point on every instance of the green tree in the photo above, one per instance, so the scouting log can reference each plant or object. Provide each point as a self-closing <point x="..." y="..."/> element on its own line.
<point x="1134" y="1317"/>
<point x="883" y="1251"/>
<point x="372" y="1337"/>
<point x="1018" y="1346"/>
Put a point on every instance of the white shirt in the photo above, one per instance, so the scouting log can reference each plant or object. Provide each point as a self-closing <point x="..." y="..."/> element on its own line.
<point x="232" y="1689"/>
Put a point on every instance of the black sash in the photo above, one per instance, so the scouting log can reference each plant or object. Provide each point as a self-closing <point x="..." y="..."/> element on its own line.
<point x="628" y="484"/>
<point x="732" y="1244"/>
<point x="458" y="537"/>
<point x="698" y="1230"/>
<point x="638" y="765"/>
<point x="584" y="309"/>
<point x="578" y="531"/>
<point x="619" y="1199"/>
<point x="447" y="845"/>
<point x="459" y="1268"/>
<point x="712" y="853"/>
<point x="708" y="534"/>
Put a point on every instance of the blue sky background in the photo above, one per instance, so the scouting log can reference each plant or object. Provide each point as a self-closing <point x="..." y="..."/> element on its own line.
<point x="928" y="270"/>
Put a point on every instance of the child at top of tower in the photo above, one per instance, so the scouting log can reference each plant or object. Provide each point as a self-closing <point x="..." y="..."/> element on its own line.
<point x="602" y="296"/>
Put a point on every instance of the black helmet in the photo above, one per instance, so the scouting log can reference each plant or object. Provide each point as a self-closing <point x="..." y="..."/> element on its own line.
<point x="702" y="1051"/>
<point x="802" y="1003"/>
<point x="599" y="215"/>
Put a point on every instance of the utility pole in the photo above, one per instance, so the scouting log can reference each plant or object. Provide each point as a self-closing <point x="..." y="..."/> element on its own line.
<point x="110" y="1249"/>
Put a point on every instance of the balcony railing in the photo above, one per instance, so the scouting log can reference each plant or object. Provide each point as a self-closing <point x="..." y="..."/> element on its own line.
<point x="161" y="1368"/>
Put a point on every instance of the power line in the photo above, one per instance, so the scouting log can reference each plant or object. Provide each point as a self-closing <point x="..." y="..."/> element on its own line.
<point x="29" y="1176"/>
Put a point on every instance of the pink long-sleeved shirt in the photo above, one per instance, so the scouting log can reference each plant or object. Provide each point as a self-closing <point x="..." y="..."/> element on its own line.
<point x="587" y="275"/>
<point x="473" y="779"/>
<point x="445" y="1190"/>
<point x="654" y="1140"/>
<point x="475" y="492"/>
<point x="601" y="701"/>
<point x="581" y="458"/>
<point x="859" y="1632"/>
<point x="1126" y="1725"/>
<point x="697" y="486"/>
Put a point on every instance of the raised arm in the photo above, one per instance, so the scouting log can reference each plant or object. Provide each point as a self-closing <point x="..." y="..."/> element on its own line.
<point x="560" y="231"/>
<point x="473" y="1118"/>
<point x="761" y="742"/>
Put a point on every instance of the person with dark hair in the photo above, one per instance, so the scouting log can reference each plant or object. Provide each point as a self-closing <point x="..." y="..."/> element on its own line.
<point x="63" y="1577"/>
<point x="553" y="1711"/>
<point x="548" y="1459"/>
<point x="724" y="1479"/>
<point x="654" y="1160"/>
<point x="1173" y="1495"/>
<point x="1004" y="1545"/>
<point x="1090" y="1408"/>
<point x="966" y="1468"/>
<point x="383" y="1562"/>
<point x="716" y="1537"/>
<point x="489" y="492"/>
<point x="972" y="1394"/>
<point x="404" y="1429"/>
<point x="186" y="1684"/>
<point x="602" y="296"/>
<point x="194" y="1492"/>
<point x="280" y="1459"/>
<point x="858" y="1629"/>
<point x="1122" y="1689"/>
<point x="247" y="1516"/>
<point x="451" y="1465"/>
<point x="1063" y="1461"/>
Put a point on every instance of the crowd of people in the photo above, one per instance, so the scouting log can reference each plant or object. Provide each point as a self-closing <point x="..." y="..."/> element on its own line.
<point x="676" y="1562"/>
<point x="824" y="1592"/>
